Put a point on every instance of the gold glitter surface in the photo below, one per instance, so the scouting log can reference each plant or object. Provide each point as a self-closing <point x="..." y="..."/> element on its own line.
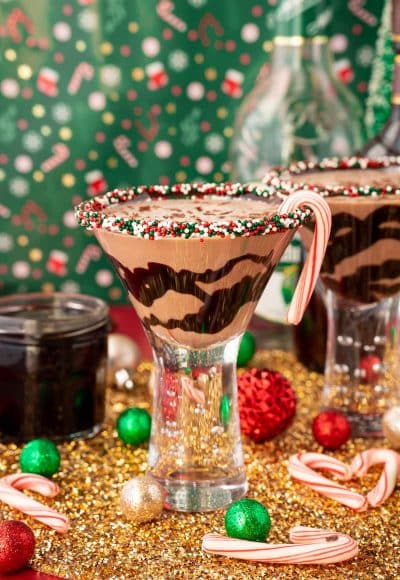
<point x="102" y="544"/>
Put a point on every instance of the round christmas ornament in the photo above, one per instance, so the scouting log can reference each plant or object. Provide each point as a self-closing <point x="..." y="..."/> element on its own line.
<point x="247" y="519"/>
<point x="391" y="426"/>
<point x="331" y="429"/>
<point x="123" y="353"/>
<point x="141" y="499"/>
<point x="17" y="545"/>
<point x="371" y="366"/>
<point x="267" y="403"/>
<point x="134" y="426"/>
<point x="247" y="349"/>
<point x="40" y="456"/>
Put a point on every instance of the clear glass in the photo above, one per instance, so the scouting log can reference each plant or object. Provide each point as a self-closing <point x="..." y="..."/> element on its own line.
<point x="362" y="361"/>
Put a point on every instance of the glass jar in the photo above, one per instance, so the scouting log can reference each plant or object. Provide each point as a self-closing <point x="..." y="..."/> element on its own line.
<point x="53" y="356"/>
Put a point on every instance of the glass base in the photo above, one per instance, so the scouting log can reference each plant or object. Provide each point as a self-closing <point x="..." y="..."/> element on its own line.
<point x="201" y="491"/>
<point x="365" y="425"/>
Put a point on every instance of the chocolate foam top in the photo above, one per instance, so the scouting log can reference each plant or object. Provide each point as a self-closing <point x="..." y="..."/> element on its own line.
<point x="190" y="210"/>
<point x="352" y="177"/>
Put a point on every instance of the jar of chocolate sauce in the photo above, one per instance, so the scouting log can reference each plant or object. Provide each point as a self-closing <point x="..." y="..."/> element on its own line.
<point x="53" y="356"/>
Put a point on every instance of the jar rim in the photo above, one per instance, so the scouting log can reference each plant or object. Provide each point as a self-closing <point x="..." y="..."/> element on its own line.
<point x="37" y="314"/>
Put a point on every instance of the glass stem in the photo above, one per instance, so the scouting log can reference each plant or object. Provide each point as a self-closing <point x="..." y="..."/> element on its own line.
<point x="195" y="447"/>
<point x="362" y="368"/>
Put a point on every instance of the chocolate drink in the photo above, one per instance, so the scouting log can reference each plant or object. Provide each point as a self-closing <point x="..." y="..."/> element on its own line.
<point x="362" y="261"/>
<point x="197" y="291"/>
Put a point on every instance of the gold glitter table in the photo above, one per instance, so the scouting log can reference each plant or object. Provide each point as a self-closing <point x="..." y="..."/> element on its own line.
<point x="101" y="544"/>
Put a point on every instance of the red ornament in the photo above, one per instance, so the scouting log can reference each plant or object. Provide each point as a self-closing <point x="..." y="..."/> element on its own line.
<point x="17" y="544"/>
<point x="267" y="403"/>
<point x="331" y="429"/>
<point x="372" y="367"/>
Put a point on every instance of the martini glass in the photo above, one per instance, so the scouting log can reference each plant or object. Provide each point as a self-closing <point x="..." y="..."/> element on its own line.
<point x="360" y="282"/>
<point x="194" y="260"/>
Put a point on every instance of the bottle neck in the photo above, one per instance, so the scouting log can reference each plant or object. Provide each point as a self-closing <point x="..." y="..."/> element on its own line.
<point x="302" y="19"/>
<point x="295" y="52"/>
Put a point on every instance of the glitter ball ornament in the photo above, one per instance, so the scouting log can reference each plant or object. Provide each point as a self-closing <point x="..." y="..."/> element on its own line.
<point x="391" y="426"/>
<point x="247" y="349"/>
<point x="134" y="426"/>
<point x="141" y="499"/>
<point x="267" y="403"/>
<point x="40" y="456"/>
<point x="371" y="366"/>
<point x="331" y="429"/>
<point x="247" y="519"/>
<point x="17" y="544"/>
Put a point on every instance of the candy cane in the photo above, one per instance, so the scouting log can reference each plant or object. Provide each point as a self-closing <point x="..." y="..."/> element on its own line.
<point x="60" y="154"/>
<point x="387" y="481"/>
<point x="91" y="252"/>
<point x="195" y="395"/>
<point x="164" y="10"/>
<point x="357" y="8"/>
<point x="84" y="70"/>
<point x="10" y="494"/>
<point x="207" y="21"/>
<point x="312" y="266"/>
<point x="29" y="209"/>
<point x="122" y="144"/>
<point x="17" y="16"/>
<point x="309" y="546"/>
<point x="299" y="470"/>
<point x="149" y="133"/>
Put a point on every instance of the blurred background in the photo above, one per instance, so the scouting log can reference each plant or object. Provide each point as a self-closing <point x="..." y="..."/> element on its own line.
<point x="97" y="94"/>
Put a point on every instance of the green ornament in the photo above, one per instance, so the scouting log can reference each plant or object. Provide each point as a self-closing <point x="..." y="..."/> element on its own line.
<point x="225" y="410"/>
<point x="134" y="426"/>
<point x="40" y="456"/>
<point x="247" y="519"/>
<point x="247" y="349"/>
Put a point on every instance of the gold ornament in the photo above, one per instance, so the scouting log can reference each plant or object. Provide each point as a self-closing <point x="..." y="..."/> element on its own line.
<point x="123" y="353"/>
<point x="141" y="499"/>
<point x="391" y="426"/>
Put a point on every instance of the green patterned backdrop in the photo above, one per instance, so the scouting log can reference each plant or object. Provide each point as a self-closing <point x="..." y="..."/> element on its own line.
<point x="102" y="93"/>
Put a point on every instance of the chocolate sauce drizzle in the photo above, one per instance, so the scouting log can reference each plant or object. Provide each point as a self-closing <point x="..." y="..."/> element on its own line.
<point x="219" y="308"/>
<point x="365" y="284"/>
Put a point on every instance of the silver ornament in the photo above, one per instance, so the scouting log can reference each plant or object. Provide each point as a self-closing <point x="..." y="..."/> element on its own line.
<point x="391" y="426"/>
<point x="141" y="499"/>
<point x="123" y="353"/>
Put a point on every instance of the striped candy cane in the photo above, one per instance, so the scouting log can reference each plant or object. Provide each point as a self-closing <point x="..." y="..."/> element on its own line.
<point x="16" y="17"/>
<point x="357" y="8"/>
<point x="10" y="494"/>
<point x="90" y="253"/>
<point x="164" y="10"/>
<point x="84" y="71"/>
<point x="121" y="145"/>
<point x="309" y="546"/>
<point x="388" y="479"/>
<point x="195" y="395"/>
<point x="315" y="256"/>
<point x="60" y="154"/>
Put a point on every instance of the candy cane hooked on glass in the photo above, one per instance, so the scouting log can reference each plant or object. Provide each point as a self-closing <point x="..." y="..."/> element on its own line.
<point x="315" y="256"/>
<point x="300" y="470"/>
<point x="10" y="493"/>
<point x="309" y="546"/>
<point x="387" y="481"/>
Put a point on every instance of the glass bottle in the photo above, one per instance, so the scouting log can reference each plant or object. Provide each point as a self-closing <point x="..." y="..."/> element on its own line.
<point x="387" y="142"/>
<point x="299" y="110"/>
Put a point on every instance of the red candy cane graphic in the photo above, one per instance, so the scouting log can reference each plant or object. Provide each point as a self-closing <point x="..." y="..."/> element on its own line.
<point x="149" y="133"/>
<point x="90" y="253"/>
<point x="121" y="145"/>
<point x="209" y="21"/>
<point x="60" y="154"/>
<point x="29" y="209"/>
<point x="10" y="494"/>
<point x="16" y="17"/>
<point x="164" y="10"/>
<point x="356" y="7"/>
<point x="84" y="71"/>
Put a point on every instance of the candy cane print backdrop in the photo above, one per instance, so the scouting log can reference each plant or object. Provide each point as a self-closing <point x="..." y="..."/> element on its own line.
<point x="104" y="93"/>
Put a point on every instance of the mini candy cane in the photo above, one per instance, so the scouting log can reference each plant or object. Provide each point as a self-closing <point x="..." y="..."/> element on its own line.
<point x="312" y="266"/>
<point x="60" y="154"/>
<point x="91" y="252"/>
<point x="387" y="481"/>
<point x="310" y="546"/>
<point x="84" y="70"/>
<point x="357" y="8"/>
<point x="195" y="395"/>
<point x="164" y="10"/>
<point x="122" y="144"/>
<point x="17" y="16"/>
<point x="10" y="494"/>
<point x="299" y="470"/>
